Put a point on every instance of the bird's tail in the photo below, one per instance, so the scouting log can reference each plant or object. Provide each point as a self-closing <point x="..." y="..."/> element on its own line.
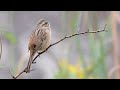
<point x="27" y="70"/>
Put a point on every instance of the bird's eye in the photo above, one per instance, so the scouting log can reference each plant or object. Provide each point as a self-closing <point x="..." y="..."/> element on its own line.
<point x="45" y="24"/>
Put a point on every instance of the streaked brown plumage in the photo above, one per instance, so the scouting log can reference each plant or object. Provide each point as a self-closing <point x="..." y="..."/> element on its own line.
<point x="39" y="40"/>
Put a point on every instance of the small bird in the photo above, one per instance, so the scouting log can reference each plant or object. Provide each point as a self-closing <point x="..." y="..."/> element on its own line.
<point x="39" y="40"/>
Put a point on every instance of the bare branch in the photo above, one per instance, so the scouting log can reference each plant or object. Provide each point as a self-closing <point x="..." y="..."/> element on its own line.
<point x="20" y="73"/>
<point x="76" y="34"/>
<point x="70" y="36"/>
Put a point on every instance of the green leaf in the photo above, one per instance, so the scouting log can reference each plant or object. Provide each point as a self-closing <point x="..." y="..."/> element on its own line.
<point x="10" y="37"/>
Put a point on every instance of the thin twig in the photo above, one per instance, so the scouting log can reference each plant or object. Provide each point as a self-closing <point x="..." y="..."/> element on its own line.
<point x="69" y="37"/>
<point x="76" y="34"/>
<point x="20" y="73"/>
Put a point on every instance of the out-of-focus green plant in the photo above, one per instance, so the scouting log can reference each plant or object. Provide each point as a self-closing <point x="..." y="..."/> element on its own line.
<point x="8" y="35"/>
<point x="12" y="39"/>
<point x="69" y="71"/>
<point x="99" y="49"/>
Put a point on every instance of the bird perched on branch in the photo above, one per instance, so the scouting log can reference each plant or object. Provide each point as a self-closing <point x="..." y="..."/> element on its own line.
<point x="39" y="40"/>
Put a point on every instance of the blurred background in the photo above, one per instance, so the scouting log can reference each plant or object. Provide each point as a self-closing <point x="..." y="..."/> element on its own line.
<point x="87" y="56"/>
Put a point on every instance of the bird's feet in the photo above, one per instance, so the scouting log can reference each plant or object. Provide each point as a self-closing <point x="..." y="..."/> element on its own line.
<point x="27" y="70"/>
